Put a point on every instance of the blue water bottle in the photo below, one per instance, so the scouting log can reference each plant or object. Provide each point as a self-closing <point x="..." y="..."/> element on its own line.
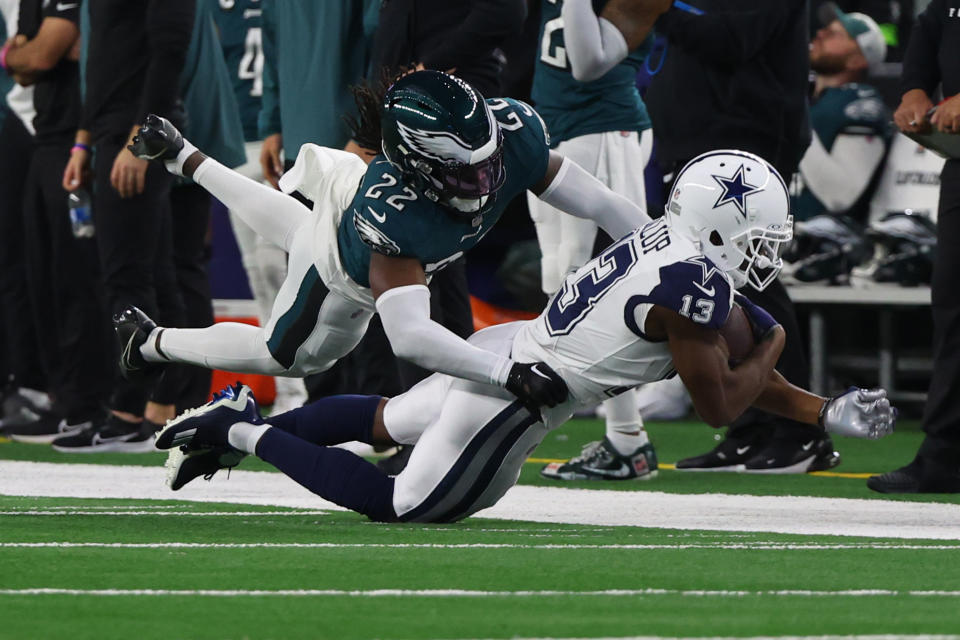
<point x="81" y="213"/>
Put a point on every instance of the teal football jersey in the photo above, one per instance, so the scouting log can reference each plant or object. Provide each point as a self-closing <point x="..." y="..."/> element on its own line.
<point x="392" y="218"/>
<point x="572" y="108"/>
<point x="239" y="24"/>
<point x="855" y="109"/>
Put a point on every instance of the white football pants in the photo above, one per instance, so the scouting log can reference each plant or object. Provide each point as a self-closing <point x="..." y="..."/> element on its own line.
<point x="471" y="440"/>
<point x="308" y="329"/>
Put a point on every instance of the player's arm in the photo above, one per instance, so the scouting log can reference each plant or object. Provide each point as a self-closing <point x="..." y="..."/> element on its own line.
<point x="838" y="177"/>
<point x="596" y="44"/>
<point x="857" y="413"/>
<point x="568" y="187"/>
<point x="720" y="394"/>
<point x="399" y="287"/>
<point x="55" y="39"/>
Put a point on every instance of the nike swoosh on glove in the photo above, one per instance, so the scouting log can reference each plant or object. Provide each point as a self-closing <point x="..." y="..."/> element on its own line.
<point x="159" y="140"/>
<point x="536" y="385"/>
<point x="859" y="413"/>
<point x="760" y="319"/>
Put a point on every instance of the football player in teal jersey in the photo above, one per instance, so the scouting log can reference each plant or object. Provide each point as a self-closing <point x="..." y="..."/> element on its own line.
<point x="851" y="123"/>
<point x="451" y="162"/>
<point x="597" y="119"/>
<point x="239" y="24"/>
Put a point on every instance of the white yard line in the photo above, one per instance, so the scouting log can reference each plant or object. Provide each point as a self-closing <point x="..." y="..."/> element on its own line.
<point x="471" y="593"/>
<point x="776" y="514"/>
<point x="478" y="545"/>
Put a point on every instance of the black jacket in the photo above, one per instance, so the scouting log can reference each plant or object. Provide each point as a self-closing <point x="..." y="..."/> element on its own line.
<point x="933" y="55"/>
<point x="447" y="34"/>
<point x="735" y="77"/>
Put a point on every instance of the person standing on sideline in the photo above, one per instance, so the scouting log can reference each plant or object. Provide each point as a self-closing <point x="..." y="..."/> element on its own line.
<point x="241" y="36"/>
<point x="135" y="57"/>
<point x="735" y="74"/>
<point x="60" y="259"/>
<point x="596" y="117"/>
<point x="932" y="60"/>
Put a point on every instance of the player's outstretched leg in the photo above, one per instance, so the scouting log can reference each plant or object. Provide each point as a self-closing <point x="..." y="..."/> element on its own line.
<point x="133" y="328"/>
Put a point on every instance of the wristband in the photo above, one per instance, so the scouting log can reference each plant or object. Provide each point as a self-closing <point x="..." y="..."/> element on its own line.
<point x="80" y="145"/>
<point x="823" y="412"/>
<point x="3" y="57"/>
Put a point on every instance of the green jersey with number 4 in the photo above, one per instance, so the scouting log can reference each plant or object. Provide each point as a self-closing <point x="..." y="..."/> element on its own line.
<point x="572" y="108"/>
<point x="390" y="217"/>
<point x="239" y="24"/>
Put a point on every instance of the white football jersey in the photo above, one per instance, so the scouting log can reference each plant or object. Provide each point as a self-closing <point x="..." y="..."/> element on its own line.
<point x="592" y="331"/>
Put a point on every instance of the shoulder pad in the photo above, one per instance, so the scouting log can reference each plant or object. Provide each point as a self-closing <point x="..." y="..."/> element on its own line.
<point x="696" y="289"/>
<point x="516" y="115"/>
<point x="373" y="236"/>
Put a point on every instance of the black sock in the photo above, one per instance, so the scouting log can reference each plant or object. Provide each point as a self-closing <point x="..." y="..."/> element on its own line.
<point x="331" y="420"/>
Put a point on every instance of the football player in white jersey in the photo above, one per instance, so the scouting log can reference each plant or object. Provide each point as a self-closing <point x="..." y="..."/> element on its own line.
<point x="649" y="307"/>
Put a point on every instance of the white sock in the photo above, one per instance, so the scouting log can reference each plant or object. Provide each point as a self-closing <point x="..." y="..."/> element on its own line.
<point x="149" y="348"/>
<point x="624" y="426"/>
<point x="628" y="442"/>
<point x="245" y="436"/>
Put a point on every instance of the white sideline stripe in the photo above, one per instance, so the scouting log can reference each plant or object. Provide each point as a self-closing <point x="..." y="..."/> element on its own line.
<point x="469" y="593"/>
<point x="760" y="546"/>
<point x="72" y="512"/>
<point x="875" y="518"/>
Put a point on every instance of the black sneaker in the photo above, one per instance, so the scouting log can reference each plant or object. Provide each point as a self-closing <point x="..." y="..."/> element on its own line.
<point x="393" y="465"/>
<point x="183" y="466"/>
<point x="114" y="435"/>
<point x="729" y="455"/>
<point x="601" y="461"/>
<point x="21" y="407"/>
<point x="47" y="429"/>
<point x="133" y="327"/>
<point x="790" y="456"/>
<point x="920" y="476"/>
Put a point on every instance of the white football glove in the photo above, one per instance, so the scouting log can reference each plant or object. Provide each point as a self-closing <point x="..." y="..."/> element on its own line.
<point x="859" y="413"/>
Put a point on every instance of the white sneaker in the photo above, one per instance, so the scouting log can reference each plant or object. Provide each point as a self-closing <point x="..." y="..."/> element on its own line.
<point x="291" y="394"/>
<point x="664" y="400"/>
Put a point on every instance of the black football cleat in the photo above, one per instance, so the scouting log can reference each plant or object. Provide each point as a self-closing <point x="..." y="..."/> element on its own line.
<point x="781" y="456"/>
<point x="729" y="455"/>
<point x="184" y="466"/>
<point x="133" y="327"/>
<point x="208" y="426"/>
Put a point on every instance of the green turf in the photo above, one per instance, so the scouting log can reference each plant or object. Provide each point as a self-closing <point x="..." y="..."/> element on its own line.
<point x="362" y="556"/>
<point x="363" y="567"/>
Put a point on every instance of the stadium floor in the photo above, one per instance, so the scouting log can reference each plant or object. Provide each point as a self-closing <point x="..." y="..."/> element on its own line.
<point x="683" y="555"/>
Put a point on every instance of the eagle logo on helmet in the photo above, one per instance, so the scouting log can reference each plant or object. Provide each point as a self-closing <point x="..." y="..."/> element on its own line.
<point x="443" y="145"/>
<point x="735" y="190"/>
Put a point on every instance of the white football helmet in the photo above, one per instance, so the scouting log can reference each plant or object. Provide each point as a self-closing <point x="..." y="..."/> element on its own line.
<point x="736" y="208"/>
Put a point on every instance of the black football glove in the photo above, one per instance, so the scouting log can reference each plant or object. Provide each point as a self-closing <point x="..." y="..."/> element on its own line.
<point x="536" y="385"/>
<point x="159" y="140"/>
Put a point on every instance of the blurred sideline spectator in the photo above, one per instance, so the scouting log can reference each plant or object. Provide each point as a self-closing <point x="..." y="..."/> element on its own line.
<point x="134" y="60"/>
<point x="735" y="75"/>
<point x="933" y="60"/>
<point x="849" y="120"/>
<point x="239" y="24"/>
<point x="61" y="259"/>
<point x="596" y="118"/>
<point x="332" y="41"/>
<point x="22" y="383"/>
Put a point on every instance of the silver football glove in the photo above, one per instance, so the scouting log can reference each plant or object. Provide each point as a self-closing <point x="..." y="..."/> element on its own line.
<point x="859" y="413"/>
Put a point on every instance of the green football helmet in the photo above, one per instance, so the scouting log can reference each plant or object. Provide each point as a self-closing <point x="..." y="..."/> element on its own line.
<point x="440" y="133"/>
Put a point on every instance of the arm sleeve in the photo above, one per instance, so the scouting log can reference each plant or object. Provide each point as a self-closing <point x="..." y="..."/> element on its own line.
<point x="169" y="28"/>
<point x="268" y="120"/>
<point x="66" y="10"/>
<point x="840" y="176"/>
<point x="487" y="25"/>
<point x="578" y="193"/>
<point x="405" y="313"/>
<point x="594" y="45"/>
<point x="727" y="37"/>
<point x="921" y="69"/>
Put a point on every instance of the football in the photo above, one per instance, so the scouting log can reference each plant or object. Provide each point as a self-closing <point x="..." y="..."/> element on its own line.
<point x="737" y="332"/>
